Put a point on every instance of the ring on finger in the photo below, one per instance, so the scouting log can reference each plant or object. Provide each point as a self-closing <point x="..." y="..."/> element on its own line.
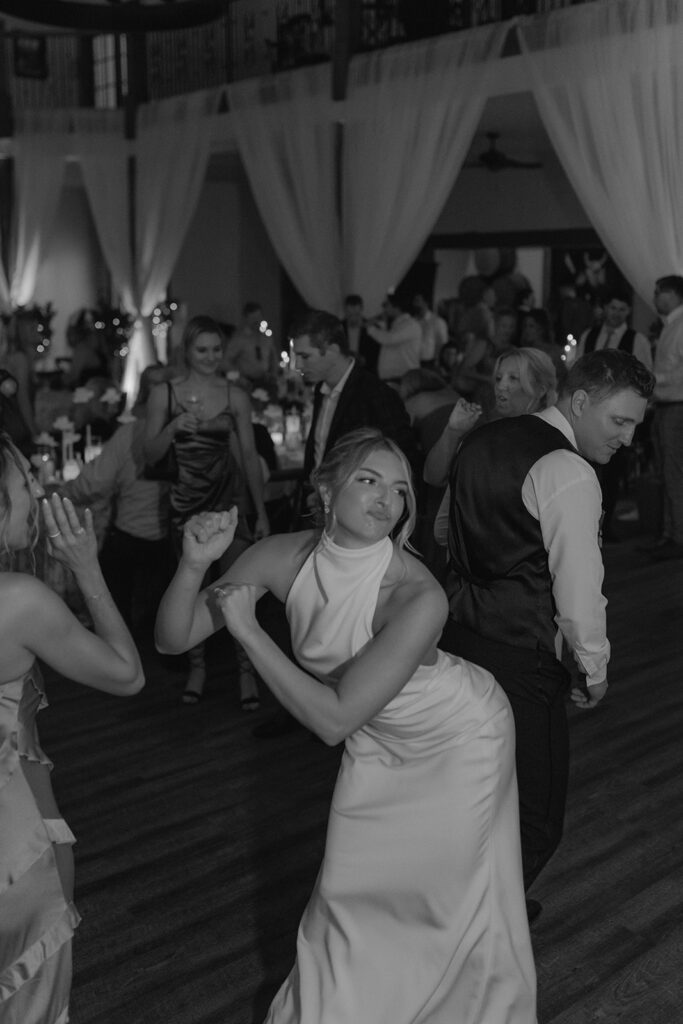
<point x="79" y="531"/>
<point x="53" y="535"/>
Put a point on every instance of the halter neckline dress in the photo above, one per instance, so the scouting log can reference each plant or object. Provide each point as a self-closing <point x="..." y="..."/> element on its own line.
<point x="418" y="913"/>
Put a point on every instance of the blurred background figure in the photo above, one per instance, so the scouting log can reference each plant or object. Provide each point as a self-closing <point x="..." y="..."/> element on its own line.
<point x="88" y="354"/>
<point x="14" y="359"/>
<point x="434" y="331"/>
<point x="135" y="547"/>
<point x="361" y="346"/>
<point x="399" y="337"/>
<point x="252" y="350"/>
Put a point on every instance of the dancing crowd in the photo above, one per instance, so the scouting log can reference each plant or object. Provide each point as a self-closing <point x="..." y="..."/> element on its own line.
<point x="443" y="664"/>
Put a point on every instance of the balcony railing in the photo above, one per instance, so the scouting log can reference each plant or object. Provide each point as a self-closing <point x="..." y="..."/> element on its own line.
<point x="253" y="37"/>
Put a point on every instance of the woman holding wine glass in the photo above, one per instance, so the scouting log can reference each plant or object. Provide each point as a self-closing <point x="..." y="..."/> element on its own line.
<point x="207" y="422"/>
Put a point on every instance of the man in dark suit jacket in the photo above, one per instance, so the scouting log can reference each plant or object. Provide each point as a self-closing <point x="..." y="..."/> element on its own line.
<point x="361" y="345"/>
<point x="346" y="396"/>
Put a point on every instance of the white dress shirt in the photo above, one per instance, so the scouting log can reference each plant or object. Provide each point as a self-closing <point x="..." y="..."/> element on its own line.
<point x="561" y="491"/>
<point x="610" y="337"/>
<point x="401" y="345"/>
<point x="668" y="367"/>
<point x="327" y="408"/>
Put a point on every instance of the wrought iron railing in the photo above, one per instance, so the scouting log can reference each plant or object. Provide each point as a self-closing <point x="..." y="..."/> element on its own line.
<point x="253" y="37"/>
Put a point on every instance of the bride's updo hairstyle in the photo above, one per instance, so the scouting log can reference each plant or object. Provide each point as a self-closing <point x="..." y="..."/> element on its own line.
<point x="341" y="462"/>
<point x="9" y="455"/>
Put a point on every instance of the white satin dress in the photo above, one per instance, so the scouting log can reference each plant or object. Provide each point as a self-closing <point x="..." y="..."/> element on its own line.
<point x="418" y="912"/>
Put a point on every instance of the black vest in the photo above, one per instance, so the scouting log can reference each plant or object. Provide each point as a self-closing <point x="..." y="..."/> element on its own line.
<point x="503" y="587"/>
<point x="625" y="342"/>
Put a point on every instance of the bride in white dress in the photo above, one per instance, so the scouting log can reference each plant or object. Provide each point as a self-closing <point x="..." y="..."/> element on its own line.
<point x="418" y="913"/>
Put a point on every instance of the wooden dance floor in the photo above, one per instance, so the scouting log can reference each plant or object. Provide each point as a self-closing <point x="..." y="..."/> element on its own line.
<point x="198" y="844"/>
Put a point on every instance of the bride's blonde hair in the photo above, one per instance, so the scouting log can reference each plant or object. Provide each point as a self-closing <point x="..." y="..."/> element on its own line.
<point x="342" y="461"/>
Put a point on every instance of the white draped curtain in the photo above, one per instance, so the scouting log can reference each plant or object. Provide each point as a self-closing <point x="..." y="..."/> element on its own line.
<point x="173" y="149"/>
<point x="103" y="151"/>
<point x="171" y="153"/>
<point x="608" y="81"/>
<point x="40" y="148"/>
<point x="285" y="132"/>
<point x="411" y="114"/>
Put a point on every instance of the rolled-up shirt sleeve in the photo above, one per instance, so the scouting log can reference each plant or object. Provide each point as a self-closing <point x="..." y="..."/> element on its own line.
<point x="562" y="492"/>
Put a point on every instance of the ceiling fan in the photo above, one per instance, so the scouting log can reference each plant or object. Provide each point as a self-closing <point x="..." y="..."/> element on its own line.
<point x="492" y="159"/>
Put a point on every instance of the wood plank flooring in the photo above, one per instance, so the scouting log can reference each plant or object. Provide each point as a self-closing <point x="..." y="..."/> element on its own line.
<point x="198" y="844"/>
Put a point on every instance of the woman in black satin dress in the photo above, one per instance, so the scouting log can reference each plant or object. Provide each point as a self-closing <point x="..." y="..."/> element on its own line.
<point x="208" y="421"/>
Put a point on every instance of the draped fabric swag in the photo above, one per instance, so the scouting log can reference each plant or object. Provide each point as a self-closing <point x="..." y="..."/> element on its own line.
<point x="173" y="148"/>
<point x="284" y="127"/>
<point x="611" y="100"/>
<point x="411" y="114"/>
<point x="349" y="209"/>
<point x="172" y="151"/>
<point x="40" y="148"/>
<point x="104" y="155"/>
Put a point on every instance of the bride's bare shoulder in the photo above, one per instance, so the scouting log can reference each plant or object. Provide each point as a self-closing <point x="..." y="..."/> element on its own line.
<point x="289" y="546"/>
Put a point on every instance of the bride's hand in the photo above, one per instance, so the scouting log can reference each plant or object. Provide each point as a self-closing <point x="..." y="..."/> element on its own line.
<point x="207" y="535"/>
<point x="237" y="602"/>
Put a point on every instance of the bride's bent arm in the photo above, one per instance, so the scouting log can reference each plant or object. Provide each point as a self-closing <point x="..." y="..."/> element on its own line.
<point x="372" y="680"/>
<point x="188" y="615"/>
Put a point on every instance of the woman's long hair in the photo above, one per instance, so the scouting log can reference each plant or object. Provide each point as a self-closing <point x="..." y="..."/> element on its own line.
<point x="342" y="461"/>
<point x="537" y="375"/>
<point x="9" y="455"/>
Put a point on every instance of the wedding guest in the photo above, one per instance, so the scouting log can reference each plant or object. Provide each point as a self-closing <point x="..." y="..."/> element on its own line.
<point x="89" y="356"/>
<point x="614" y="332"/>
<point x="135" y="555"/>
<point x="16" y="362"/>
<point x="37" y="914"/>
<point x="523" y="543"/>
<point x="523" y="381"/>
<point x="399" y="337"/>
<point x="419" y="905"/>
<point x="434" y="331"/>
<point x="361" y="346"/>
<point x="667" y="425"/>
<point x="346" y="396"/>
<point x="206" y="421"/>
<point x="251" y="352"/>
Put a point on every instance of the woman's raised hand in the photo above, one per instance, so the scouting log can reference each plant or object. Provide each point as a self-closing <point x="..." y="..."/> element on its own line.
<point x="207" y="535"/>
<point x="71" y="543"/>
<point x="464" y="415"/>
<point x="237" y="602"/>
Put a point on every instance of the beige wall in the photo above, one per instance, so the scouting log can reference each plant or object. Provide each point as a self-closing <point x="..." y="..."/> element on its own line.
<point x="227" y="258"/>
<point x="512" y="200"/>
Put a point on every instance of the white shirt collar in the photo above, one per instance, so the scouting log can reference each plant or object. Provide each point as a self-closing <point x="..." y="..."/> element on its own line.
<point x="325" y="389"/>
<point x="557" y="419"/>
<point x="674" y="314"/>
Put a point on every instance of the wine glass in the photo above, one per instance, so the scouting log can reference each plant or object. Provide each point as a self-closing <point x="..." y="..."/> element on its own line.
<point x="193" y="405"/>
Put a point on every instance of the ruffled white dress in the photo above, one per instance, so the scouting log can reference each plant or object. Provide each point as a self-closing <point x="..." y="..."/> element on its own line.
<point x="418" y="912"/>
<point x="36" y="920"/>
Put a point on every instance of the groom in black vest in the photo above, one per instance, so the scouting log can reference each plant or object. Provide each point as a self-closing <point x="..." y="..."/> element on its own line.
<point x="524" y="552"/>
